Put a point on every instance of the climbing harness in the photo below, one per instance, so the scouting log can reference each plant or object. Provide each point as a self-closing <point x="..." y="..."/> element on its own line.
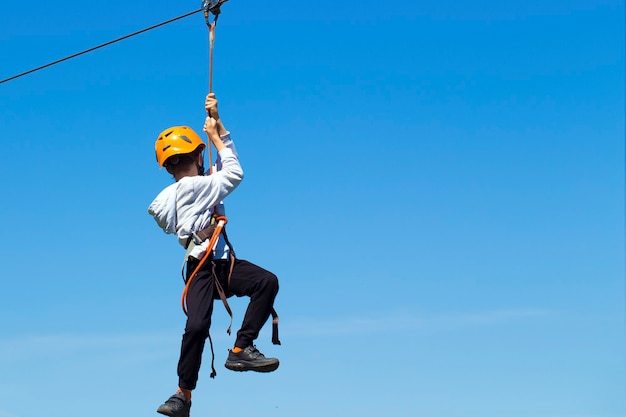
<point x="217" y="230"/>
<point x="212" y="233"/>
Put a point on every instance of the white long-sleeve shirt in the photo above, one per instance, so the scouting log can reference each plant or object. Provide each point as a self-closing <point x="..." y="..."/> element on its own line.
<point x="187" y="205"/>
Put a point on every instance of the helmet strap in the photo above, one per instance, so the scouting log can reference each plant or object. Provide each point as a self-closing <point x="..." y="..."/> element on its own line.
<point x="200" y="165"/>
<point x="200" y="168"/>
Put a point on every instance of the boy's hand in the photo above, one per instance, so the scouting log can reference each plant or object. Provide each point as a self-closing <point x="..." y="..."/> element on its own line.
<point x="211" y="128"/>
<point x="210" y="105"/>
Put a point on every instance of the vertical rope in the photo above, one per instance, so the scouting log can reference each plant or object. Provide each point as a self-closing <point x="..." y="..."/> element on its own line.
<point x="211" y="27"/>
<point x="211" y="43"/>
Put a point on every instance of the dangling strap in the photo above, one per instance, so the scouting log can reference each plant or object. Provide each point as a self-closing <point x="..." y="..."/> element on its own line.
<point x="222" y="295"/>
<point x="213" y="371"/>
<point x="275" y="339"/>
<point x="232" y="258"/>
<point x="275" y="327"/>
<point x="221" y="292"/>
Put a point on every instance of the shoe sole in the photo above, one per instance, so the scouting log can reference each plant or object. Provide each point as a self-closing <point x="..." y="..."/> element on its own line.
<point x="168" y="412"/>
<point x="243" y="366"/>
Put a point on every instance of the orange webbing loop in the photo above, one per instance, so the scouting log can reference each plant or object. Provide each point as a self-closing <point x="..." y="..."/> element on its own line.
<point x="221" y="222"/>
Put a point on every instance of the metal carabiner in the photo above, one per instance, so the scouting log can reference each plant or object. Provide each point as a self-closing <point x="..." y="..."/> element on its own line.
<point x="212" y="6"/>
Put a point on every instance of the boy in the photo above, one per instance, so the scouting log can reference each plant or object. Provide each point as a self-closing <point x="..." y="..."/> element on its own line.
<point x="187" y="208"/>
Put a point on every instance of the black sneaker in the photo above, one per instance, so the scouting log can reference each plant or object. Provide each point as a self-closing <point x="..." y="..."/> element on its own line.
<point x="176" y="406"/>
<point x="250" y="359"/>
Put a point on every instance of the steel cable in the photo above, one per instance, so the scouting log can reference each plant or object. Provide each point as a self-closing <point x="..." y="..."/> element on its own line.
<point x="101" y="46"/>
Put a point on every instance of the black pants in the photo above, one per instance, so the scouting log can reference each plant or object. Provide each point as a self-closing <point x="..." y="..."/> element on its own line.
<point x="246" y="279"/>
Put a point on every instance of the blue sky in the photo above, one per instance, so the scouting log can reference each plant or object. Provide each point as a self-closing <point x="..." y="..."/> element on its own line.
<point x="438" y="185"/>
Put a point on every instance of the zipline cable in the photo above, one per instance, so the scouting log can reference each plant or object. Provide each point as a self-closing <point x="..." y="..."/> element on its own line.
<point x="101" y="46"/>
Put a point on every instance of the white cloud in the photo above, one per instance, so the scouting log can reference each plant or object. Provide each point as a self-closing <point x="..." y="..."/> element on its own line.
<point x="154" y="344"/>
<point x="55" y="345"/>
<point x="408" y="320"/>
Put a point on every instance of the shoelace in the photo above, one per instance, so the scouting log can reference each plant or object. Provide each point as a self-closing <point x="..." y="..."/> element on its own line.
<point x="175" y="402"/>
<point x="254" y="352"/>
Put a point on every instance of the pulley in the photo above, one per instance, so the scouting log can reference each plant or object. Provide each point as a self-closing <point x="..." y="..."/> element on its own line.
<point x="212" y="6"/>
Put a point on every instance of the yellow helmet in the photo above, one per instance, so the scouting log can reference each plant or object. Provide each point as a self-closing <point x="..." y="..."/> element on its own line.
<point x="176" y="140"/>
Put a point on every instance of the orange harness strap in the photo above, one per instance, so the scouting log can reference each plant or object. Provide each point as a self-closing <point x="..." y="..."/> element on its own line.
<point x="221" y="222"/>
